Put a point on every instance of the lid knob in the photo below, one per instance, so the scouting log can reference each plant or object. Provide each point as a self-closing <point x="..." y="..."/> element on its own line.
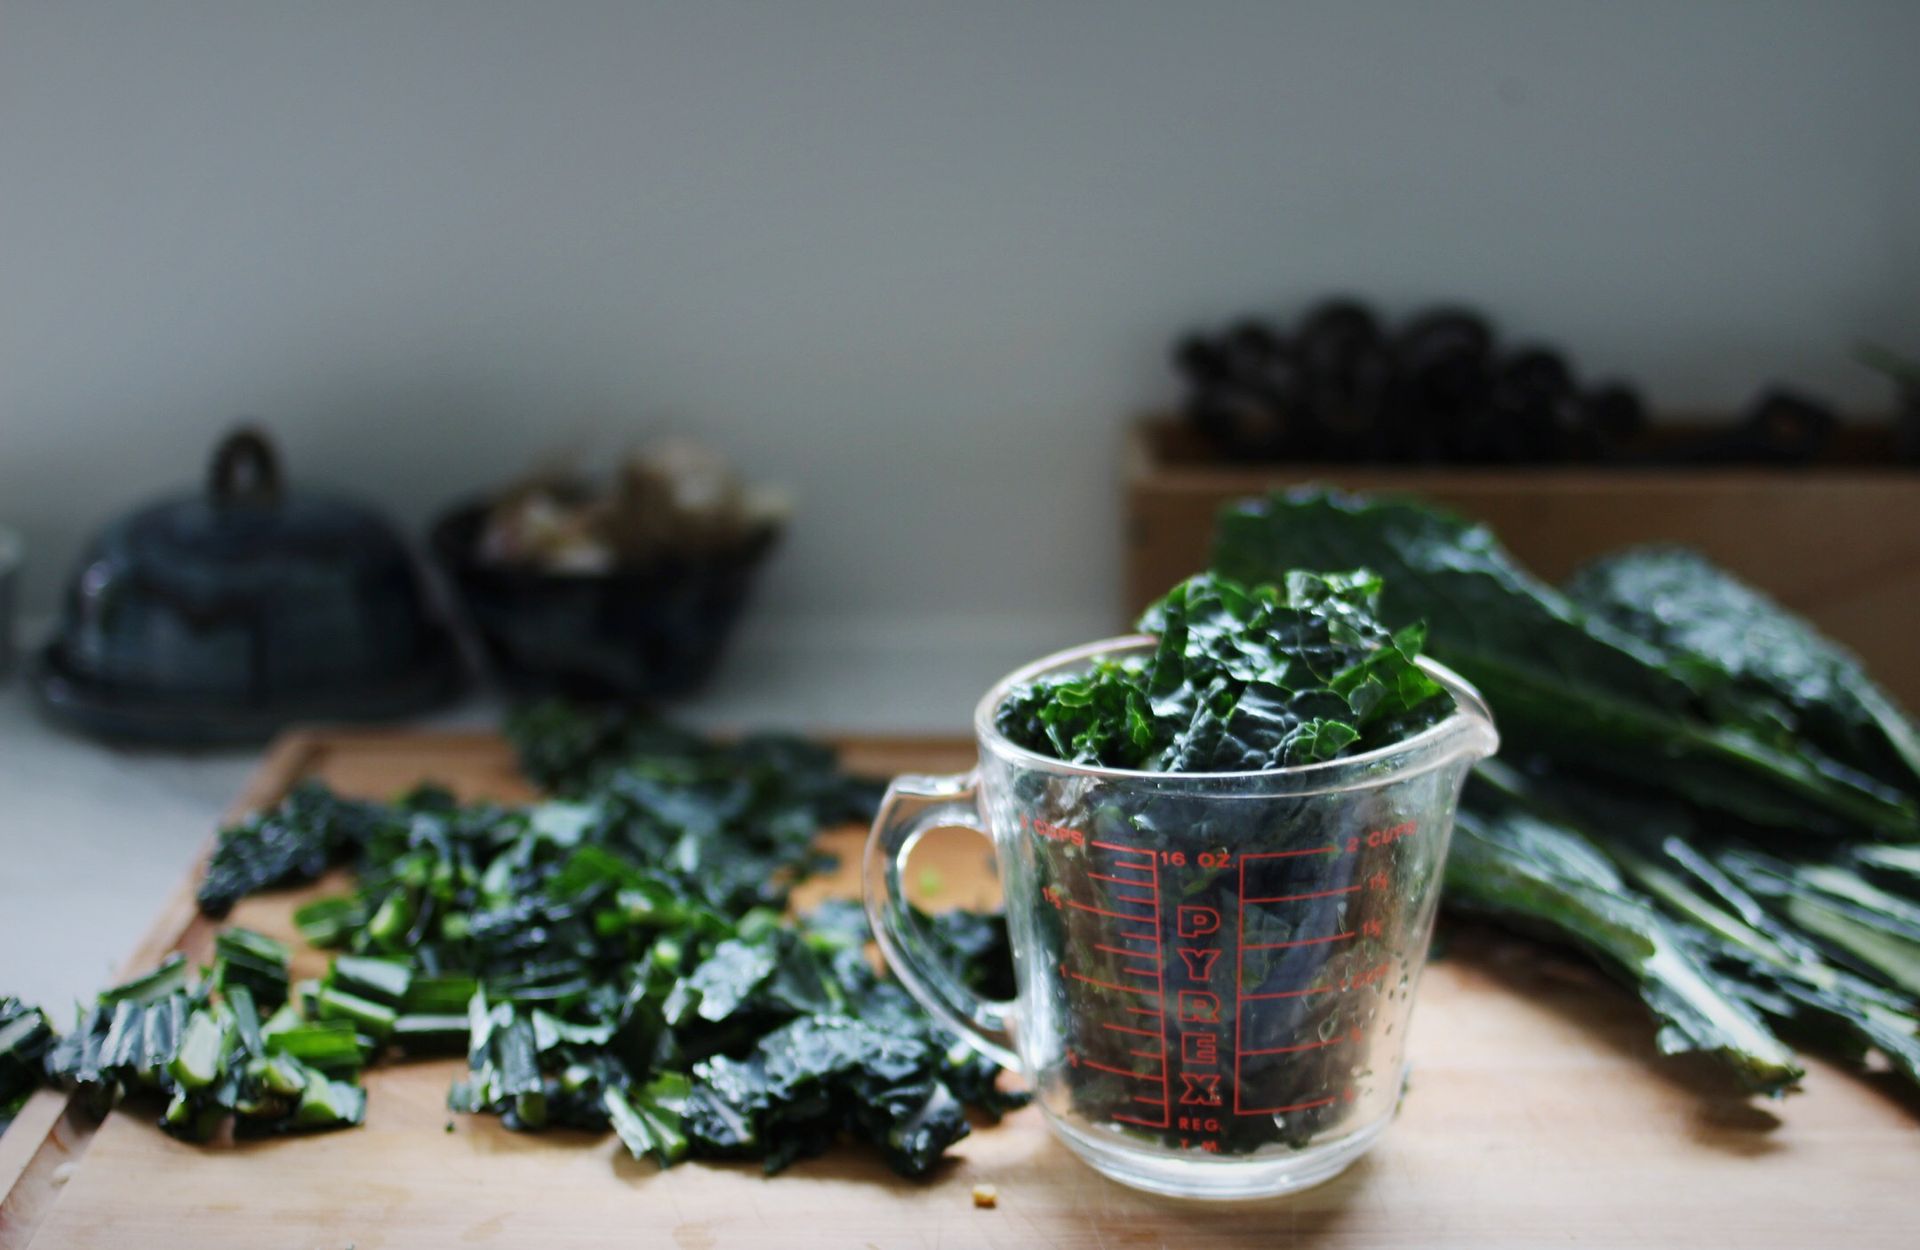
<point x="245" y="469"/>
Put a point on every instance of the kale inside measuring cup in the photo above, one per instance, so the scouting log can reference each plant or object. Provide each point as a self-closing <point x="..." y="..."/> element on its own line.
<point x="1243" y="679"/>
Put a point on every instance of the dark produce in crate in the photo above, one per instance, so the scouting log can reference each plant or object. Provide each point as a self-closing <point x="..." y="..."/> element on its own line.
<point x="1344" y="387"/>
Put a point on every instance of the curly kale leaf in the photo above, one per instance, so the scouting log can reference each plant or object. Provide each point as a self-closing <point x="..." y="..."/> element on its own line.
<point x="300" y="838"/>
<point x="1244" y="678"/>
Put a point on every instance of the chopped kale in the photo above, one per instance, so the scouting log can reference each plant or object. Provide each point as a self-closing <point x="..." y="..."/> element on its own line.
<point x="1294" y="671"/>
<point x="294" y="843"/>
<point x="613" y="958"/>
<point x="203" y="1054"/>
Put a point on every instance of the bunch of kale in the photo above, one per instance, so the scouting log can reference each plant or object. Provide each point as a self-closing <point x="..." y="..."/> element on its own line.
<point x="1695" y="786"/>
<point x="619" y="956"/>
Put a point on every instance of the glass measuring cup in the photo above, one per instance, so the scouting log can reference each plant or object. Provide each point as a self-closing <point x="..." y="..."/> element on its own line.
<point x="1215" y="971"/>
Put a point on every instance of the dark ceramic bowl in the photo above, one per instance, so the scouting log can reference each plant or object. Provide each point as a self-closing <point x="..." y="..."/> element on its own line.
<point x="648" y="633"/>
<point x="225" y="615"/>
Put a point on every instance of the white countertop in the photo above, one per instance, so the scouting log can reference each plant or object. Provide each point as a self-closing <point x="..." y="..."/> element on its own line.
<point x="92" y="838"/>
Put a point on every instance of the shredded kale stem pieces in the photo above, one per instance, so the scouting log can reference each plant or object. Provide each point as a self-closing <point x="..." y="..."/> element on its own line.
<point x="618" y="957"/>
<point x="1294" y="671"/>
<point x="214" y="1051"/>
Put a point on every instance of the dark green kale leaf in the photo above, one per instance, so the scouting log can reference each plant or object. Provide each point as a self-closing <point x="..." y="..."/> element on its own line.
<point x="1526" y="863"/>
<point x="306" y="833"/>
<point x="1754" y="919"/>
<point x="1294" y="671"/>
<point x="1560" y="680"/>
<point x="571" y="749"/>
<point x="1755" y="662"/>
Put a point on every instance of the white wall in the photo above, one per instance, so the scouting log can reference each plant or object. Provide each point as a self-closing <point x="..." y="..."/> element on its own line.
<point x="916" y="263"/>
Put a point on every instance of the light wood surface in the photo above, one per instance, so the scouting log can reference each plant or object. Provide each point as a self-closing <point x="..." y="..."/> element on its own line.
<point x="1539" y="1115"/>
<point x="1838" y="543"/>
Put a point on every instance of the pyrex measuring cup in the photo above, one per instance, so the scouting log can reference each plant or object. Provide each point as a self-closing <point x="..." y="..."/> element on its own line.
<point x="1216" y="971"/>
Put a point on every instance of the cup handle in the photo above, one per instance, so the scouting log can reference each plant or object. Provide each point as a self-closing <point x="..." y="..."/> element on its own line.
<point x="913" y="805"/>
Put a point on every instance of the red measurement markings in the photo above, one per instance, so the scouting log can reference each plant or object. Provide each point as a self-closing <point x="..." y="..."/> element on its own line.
<point x="1084" y="1062"/>
<point x="1077" y="905"/>
<point x="1109" y="985"/>
<point x="1242" y="998"/>
<point x="1315" y="1044"/>
<point x="1282" y="946"/>
<point x="1128" y="891"/>
<point x="1298" y="1106"/>
<point x="1306" y="993"/>
<point x="1127" y="1028"/>
<point x="1140" y="964"/>
<point x="1375" y="838"/>
<point x="1298" y="898"/>
<point x="1052" y="832"/>
<point x="1358" y="981"/>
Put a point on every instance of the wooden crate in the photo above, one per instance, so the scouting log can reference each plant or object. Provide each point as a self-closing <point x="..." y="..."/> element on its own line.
<point x="1838" y="542"/>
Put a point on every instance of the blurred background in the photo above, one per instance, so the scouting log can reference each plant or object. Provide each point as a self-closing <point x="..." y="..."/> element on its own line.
<point x="922" y="268"/>
<point x="919" y="266"/>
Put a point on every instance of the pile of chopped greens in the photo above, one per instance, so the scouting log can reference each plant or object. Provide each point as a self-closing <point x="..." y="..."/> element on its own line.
<point x="1244" y="678"/>
<point x="227" y="1048"/>
<point x="1697" y="788"/>
<point x="617" y="957"/>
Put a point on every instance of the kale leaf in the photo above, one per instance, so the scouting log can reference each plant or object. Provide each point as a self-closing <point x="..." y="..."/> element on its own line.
<point x="1516" y="861"/>
<point x="1756" y="663"/>
<point x="1561" y="680"/>
<point x="309" y="830"/>
<point x="1244" y="678"/>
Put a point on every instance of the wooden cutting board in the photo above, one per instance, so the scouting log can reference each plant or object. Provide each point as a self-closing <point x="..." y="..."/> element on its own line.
<point x="1539" y="1115"/>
